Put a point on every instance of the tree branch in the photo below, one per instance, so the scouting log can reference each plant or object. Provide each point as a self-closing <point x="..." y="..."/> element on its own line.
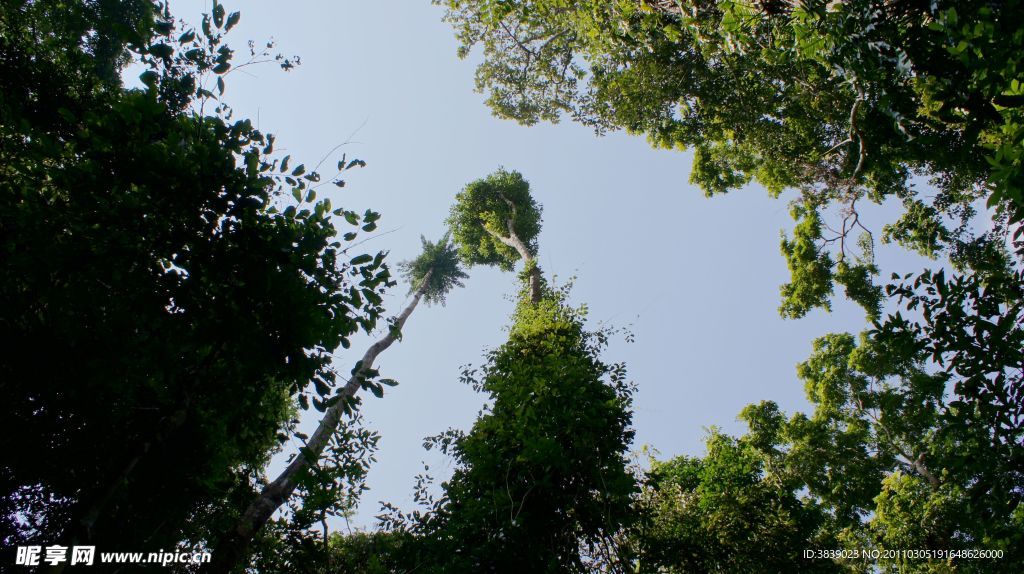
<point x="513" y="241"/>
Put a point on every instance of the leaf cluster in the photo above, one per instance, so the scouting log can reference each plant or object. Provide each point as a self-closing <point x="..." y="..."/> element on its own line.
<point x="439" y="266"/>
<point x="489" y="209"/>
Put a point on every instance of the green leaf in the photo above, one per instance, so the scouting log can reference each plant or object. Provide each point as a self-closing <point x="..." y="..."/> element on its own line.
<point x="218" y="14"/>
<point x="321" y="388"/>
<point x="232" y="20"/>
<point x="361" y="259"/>
<point x="163" y="27"/>
<point x="161" y="50"/>
<point x="149" y="78"/>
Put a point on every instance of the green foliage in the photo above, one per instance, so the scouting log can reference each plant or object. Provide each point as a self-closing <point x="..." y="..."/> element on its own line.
<point x="540" y="483"/>
<point x="858" y="280"/>
<point x="487" y="210"/>
<point x="165" y="302"/>
<point x="331" y="489"/>
<point x="286" y="551"/>
<point x="730" y="511"/>
<point x="842" y="101"/>
<point x="914" y="442"/>
<point x="809" y="267"/>
<point x="543" y="470"/>
<point x="918" y="229"/>
<point x="983" y="44"/>
<point x="922" y="421"/>
<point x="439" y="264"/>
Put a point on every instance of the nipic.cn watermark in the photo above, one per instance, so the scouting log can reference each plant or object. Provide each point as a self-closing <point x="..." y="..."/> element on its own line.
<point x="86" y="556"/>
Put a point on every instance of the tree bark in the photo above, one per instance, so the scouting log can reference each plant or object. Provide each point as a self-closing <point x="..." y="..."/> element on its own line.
<point x="233" y="547"/>
<point x="513" y="241"/>
<point x="919" y="467"/>
<point x="670" y="7"/>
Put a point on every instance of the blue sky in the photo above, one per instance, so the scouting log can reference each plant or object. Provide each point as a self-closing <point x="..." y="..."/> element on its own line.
<point x="695" y="279"/>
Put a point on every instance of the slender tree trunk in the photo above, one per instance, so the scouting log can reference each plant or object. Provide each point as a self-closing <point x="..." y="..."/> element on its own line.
<point x="513" y="241"/>
<point x="234" y="546"/>
<point x="531" y="264"/>
<point x="919" y="466"/>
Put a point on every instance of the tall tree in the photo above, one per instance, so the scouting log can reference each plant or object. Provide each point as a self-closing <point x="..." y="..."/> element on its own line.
<point x="542" y="474"/>
<point x="541" y="480"/>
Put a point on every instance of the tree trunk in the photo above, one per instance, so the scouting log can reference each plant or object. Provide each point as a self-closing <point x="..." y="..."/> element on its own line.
<point x="234" y="546"/>
<point x="531" y="264"/>
<point x="513" y="241"/>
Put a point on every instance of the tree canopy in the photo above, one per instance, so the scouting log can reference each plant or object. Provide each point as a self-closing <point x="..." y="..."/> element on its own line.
<point x="844" y="102"/>
<point x="495" y="221"/>
<point x="165" y="300"/>
<point x="438" y="266"/>
<point x="913" y="443"/>
<point x="728" y="511"/>
<point x="542" y="474"/>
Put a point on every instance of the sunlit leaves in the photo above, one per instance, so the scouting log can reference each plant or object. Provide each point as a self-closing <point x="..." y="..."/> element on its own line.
<point x="543" y="470"/>
<point x="490" y="209"/>
<point x="810" y="266"/>
<point x="843" y="101"/>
